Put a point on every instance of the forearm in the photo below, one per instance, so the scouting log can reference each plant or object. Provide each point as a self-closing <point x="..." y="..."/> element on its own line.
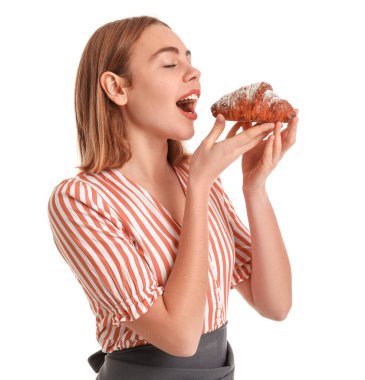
<point x="186" y="289"/>
<point x="271" y="274"/>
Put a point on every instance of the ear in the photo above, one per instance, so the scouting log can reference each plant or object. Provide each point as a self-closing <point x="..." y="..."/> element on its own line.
<point x="114" y="87"/>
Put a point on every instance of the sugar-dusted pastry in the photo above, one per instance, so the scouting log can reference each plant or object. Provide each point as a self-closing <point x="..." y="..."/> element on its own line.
<point x="256" y="102"/>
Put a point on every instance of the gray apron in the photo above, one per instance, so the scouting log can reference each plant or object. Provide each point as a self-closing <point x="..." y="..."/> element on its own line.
<point x="214" y="360"/>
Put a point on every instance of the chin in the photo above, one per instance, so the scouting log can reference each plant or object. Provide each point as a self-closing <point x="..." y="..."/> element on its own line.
<point x="185" y="133"/>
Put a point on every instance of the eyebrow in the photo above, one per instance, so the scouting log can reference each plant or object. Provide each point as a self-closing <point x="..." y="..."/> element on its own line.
<point x="172" y="49"/>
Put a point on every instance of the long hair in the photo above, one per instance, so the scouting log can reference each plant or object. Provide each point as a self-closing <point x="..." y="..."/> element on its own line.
<point x="101" y="134"/>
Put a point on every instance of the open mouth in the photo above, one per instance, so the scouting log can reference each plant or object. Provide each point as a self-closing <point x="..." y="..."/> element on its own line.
<point x="187" y="105"/>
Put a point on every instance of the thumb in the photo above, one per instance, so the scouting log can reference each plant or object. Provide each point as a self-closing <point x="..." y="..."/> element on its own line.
<point x="217" y="129"/>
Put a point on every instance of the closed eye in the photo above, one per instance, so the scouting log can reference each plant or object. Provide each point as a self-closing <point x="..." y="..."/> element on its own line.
<point x="170" y="66"/>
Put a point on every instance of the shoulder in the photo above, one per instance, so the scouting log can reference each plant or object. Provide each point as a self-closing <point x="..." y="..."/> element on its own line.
<point x="70" y="193"/>
<point x="77" y="185"/>
<point x="62" y="188"/>
<point x="81" y="201"/>
<point x="66" y="186"/>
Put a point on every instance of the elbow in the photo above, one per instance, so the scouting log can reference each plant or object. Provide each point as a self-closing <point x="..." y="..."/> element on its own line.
<point x="188" y="347"/>
<point x="176" y="345"/>
<point x="188" y="350"/>
<point x="279" y="315"/>
<point x="180" y="349"/>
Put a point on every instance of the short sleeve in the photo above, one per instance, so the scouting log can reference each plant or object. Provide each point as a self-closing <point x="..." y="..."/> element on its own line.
<point x="111" y="270"/>
<point x="242" y="240"/>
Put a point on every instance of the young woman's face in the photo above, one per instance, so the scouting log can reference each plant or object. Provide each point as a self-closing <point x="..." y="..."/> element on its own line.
<point x="159" y="81"/>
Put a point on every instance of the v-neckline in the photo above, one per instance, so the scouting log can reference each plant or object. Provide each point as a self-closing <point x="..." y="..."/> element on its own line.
<point x="149" y="195"/>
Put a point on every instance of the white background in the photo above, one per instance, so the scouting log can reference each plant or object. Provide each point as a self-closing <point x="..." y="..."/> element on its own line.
<point x="310" y="52"/>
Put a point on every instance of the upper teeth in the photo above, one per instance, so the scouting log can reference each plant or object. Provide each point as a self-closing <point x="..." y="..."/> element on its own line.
<point x="190" y="97"/>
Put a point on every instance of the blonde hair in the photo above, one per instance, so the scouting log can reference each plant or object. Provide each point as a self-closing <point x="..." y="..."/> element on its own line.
<point x="101" y="134"/>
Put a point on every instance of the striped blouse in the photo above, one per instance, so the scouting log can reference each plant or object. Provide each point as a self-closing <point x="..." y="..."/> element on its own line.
<point x="121" y="244"/>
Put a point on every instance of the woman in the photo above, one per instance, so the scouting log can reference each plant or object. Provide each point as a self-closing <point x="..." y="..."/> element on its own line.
<point x="147" y="228"/>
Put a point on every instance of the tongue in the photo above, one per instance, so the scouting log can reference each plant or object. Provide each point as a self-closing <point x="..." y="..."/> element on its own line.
<point x="187" y="107"/>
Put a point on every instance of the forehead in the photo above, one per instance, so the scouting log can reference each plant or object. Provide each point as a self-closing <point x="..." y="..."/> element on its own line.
<point x="154" y="38"/>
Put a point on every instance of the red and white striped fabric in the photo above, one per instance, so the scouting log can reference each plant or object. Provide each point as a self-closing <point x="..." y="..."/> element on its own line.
<point x="121" y="244"/>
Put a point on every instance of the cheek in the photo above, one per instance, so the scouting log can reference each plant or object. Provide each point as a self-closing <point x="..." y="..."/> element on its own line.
<point x="163" y="91"/>
<point x="161" y="100"/>
<point x="153" y="93"/>
<point x="154" y="96"/>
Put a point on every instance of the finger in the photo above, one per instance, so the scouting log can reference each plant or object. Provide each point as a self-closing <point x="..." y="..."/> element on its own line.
<point x="248" y="145"/>
<point x="237" y="126"/>
<point x="255" y="131"/>
<point x="284" y="135"/>
<point x="277" y="143"/>
<point x="217" y="129"/>
<point x="254" y="134"/>
<point x="289" y="134"/>
<point x="262" y="135"/>
<point x="295" y="113"/>
<point x="267" y="155"/>
<point x="234" y="129"/>
<point x="295" y="119"/>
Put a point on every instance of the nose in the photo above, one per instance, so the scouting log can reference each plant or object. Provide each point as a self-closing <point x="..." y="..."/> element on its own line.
<point x="192" y="73"/>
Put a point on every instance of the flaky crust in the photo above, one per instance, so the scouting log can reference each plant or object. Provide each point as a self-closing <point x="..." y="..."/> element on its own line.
<point x="256" y="102"/>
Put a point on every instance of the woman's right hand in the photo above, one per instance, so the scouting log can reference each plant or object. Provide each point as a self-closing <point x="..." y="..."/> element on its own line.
<point x="211" y="158"/>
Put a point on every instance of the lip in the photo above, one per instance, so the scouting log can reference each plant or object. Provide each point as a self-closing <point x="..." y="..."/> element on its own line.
<point x="189" y="115"/>
<point x="196" y="91"/>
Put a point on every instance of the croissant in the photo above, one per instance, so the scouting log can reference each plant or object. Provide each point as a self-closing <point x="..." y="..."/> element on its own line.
<point x="256" y="102"/>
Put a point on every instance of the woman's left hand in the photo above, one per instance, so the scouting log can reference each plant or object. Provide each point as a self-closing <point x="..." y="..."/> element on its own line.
<point x="259" y="162"/>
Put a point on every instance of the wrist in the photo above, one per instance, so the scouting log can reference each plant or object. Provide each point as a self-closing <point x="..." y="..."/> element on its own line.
<point x="198" y="186"/>
<point x="254" y="192"/>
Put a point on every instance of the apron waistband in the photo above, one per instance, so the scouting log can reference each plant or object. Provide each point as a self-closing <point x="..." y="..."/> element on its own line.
<point x="214" y="353"/>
